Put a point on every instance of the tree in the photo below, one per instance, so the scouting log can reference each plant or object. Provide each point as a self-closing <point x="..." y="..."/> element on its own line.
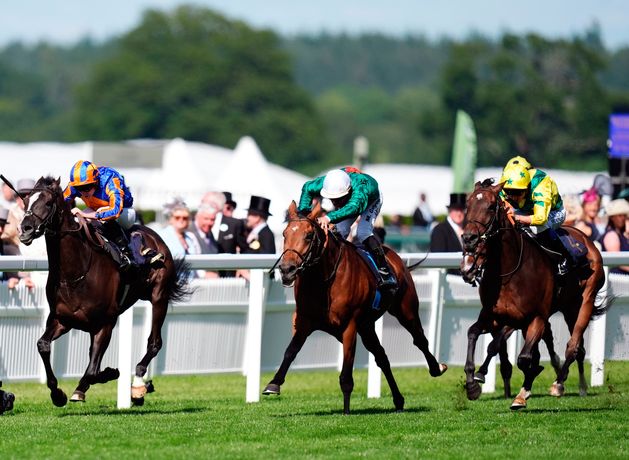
<point x="197" y="75"/>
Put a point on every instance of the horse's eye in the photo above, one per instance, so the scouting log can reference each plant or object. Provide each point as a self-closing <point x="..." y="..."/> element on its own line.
<point x="309" y="236"/>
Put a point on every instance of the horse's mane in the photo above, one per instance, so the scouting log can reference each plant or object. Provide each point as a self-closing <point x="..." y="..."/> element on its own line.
<point x="487" y="183"/>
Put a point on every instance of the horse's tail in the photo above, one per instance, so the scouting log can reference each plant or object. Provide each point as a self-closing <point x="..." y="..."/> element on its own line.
<point x="417" y="264"/>
<point x="179" y="285"/>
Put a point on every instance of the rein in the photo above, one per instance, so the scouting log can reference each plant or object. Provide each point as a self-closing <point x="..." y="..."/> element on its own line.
<point x="491" y="232"/>
<point x="314" y="253"/>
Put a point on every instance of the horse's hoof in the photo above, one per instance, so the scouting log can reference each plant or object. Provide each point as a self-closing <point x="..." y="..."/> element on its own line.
<point x="77" y="396"/>
<point x="58" y="397"/>
<point x="473" y="390"/>
<point x="138" y="392"/>
<point x="557" y="389"/>
<point x="399" y="405"/>
<point x="583" y="392"/>
<point x="440" y="371"/>
<point x="150" y="388"/>
<point x="271" y="389"/>
<point x="518" y="403"/>
<point x="110" y="374"/>
<point x="478" y="377"/>
<point x="137" y="401"/>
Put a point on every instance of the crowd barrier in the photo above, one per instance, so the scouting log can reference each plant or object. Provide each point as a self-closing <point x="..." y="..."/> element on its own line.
<point x="234" y="325"/>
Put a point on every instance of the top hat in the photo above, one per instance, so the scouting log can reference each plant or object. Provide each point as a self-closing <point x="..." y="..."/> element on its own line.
<point x="25" y="186"/>
<point x="229" y="200"/>
<point x="4" y="216"/>
<point x="457" y="201"/>
<point x="259" y="205"/>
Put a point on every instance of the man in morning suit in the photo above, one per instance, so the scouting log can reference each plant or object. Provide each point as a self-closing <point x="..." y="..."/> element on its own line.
<point x="446" y="236"/>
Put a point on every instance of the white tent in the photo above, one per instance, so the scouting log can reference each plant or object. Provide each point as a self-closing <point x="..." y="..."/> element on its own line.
<point x="249" y="173"/>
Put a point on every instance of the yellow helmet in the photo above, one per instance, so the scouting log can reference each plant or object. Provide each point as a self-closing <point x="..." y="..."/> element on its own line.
<point x="516" y="176"/>
<point x="518" y="160"/>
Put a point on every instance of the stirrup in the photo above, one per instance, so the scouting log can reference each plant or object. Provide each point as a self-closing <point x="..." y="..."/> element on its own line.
<point x="562" y="268"/>
<point x="152" y="255"/>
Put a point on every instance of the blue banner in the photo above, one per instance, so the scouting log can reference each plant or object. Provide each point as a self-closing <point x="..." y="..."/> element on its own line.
<point x="619" y="136"/>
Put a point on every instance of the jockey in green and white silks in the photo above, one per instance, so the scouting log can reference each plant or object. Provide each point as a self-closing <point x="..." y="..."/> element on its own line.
<point x="347" y="194"/>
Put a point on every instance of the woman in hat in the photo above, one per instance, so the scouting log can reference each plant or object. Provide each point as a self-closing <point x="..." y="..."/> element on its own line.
<point x="7" y="249"/>
<point x="347" y="195"/>
<point x="615" y="237"/>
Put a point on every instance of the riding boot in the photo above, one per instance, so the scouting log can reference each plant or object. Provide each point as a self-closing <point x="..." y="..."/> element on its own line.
<point x="119" y="250"/>
<point x="387" y="278"/>
<point x="550" y="240"/>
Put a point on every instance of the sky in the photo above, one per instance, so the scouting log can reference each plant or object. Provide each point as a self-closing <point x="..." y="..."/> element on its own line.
<point x="66" y="21"/>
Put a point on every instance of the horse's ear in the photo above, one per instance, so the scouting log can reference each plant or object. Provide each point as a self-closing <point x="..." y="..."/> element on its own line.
<point x="57" y="182"/>
<point x="316" y="211"/>
<point x="498" y="187"/>
<point x="292" y="209"/>
<point x="476" y="185"/>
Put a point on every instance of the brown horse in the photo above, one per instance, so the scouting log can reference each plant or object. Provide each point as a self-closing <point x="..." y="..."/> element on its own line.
<point x="518" y="287"/>
<point x="334" y="293"/>
<point x="85" y="290"/>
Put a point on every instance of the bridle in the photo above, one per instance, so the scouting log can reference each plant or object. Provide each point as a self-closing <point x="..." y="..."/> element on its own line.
<point x="46" y="223"/>
<point x="313" y="254"/>
<point x="478" y="249"/>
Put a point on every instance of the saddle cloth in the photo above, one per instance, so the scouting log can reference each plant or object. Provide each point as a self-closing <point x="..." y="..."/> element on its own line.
<point x="374" y="271"/>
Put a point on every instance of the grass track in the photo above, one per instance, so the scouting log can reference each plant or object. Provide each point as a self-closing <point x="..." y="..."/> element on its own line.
<point x="206" y="417"/>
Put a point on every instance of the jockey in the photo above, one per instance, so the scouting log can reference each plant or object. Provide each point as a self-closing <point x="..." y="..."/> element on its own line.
<point x="348" y="194"/>
<point x="535" y="203"/>
<point x="109" y="201"/>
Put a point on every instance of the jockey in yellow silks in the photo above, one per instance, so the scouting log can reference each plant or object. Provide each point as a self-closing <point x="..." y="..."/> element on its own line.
<point x="536" y="203"/>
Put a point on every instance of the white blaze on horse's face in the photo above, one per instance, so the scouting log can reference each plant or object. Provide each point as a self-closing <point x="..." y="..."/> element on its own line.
<point x="467" y="263"/>
<point x="33" y="199"/>
<point x="479" y="196"/>
<point x="295" y="228"/>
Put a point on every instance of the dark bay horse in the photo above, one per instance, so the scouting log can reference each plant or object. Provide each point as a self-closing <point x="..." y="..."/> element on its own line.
<point x="85" y="290"/>
<point x="334" y="293"/>
<point x="518" y="287"/>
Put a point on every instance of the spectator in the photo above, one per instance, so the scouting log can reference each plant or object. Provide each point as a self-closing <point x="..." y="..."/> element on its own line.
<point x="229" y="206"/>
<point x="589" y="223"/>
<point x="446" y="236"/>
<point x="260" y="239"/>
<point x="574" y="210"/>
<point x="422" y="217"/>
<point x="6" y="249"/>
<point x="16" y="212"/>
<point x="7" y="198"/>
<point x="615" y="237"/>
<point x="179" y="240"/>
<point x="11" y="236"/>
<point x="201" y="228"/>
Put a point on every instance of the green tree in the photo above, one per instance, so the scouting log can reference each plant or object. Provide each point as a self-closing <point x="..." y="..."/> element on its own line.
<point x="197" y="75"/>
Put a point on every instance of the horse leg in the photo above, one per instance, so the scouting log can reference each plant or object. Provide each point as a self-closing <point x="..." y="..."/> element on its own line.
<point x="408" y="317"/>
<point x="548" y="339"/>
<point x="583" y="386"/>
<point x="492" y="350"/>
<point x="506" y="368"/>
<point x="528" y="361"/>
<point x="53" y="331"/>
<point x="472" y="387"/>
<point x="346" y="378"/>
<point x="100" y="342"/>
<point x="153" y="345"/>
<point x="373" y="346"/>
<point x="301" y="333"/>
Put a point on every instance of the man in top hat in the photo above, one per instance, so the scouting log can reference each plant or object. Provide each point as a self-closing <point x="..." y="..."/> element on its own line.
<point x="260" y="239"/>
<point x="229" y="206"/>
<point x="446" y="236"/>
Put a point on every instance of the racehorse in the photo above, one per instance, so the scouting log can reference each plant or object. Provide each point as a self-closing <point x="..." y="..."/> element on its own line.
<point x="85" y="290"/>
<point x="518" y="287"/>
<point x="334" y="292"/>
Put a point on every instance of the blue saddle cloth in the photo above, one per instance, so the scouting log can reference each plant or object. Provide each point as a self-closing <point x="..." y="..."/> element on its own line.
<point x="575" y="247"/>
<point x="374" y="271"/>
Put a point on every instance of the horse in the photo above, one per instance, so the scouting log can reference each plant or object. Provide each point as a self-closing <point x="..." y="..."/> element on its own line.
<point x="86" y="291"/>
<point x="518" y="287"/>
<point x="334" y="292"/>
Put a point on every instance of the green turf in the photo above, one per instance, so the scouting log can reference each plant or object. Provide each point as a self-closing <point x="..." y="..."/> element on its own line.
<point x="206" y="417"/>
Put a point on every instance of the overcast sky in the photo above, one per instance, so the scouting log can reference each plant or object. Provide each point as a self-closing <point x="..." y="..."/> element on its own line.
<point x="66" y="21"/>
